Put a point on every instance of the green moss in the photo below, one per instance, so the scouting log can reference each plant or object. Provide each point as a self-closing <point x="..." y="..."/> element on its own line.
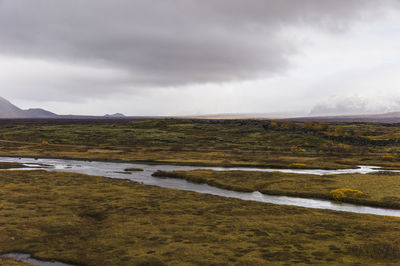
<point x="207" y="142"/>
<point x="378" y="189"/>
<point x="87" y="220"/>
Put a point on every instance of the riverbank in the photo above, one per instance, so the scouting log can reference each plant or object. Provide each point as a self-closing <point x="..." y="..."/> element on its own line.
<point x="380" y="189"/>
<point x="117" y="170"/>
<point x="183" y="158"/>
<point x="94" y="220"/>
<point x="10" y="165"/>
<point x="12" y="262"/>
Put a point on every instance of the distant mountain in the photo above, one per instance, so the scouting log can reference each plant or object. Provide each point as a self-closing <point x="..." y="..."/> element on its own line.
<point x="115" y="115"/>
<point x="9" y="110"/>
<point x="38" y="112"/>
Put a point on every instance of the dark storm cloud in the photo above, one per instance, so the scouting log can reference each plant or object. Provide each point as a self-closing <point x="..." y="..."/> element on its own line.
<point x="170" y="42"/>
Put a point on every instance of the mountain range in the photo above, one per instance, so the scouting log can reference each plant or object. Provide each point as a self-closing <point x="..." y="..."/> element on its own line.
<point x="10" y="111"/>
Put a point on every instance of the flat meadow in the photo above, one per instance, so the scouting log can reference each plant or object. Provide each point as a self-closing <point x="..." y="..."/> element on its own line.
<point x="92" y="220"/>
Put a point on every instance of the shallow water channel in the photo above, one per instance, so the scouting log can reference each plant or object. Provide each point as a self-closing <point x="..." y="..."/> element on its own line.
<point x="28" y="259"/>
<point x="116" y="170"/>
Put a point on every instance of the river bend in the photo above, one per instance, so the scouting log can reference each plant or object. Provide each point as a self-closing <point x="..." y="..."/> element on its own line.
<point x="116" y="170"/>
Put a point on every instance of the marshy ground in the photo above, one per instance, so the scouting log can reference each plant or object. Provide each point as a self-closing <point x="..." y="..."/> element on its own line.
<point x="87" y="220"/>
<point x="380" y="189"/>
<point x="208" y="142"/>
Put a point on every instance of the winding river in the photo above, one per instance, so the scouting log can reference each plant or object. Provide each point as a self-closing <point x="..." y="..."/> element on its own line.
<point x="116" y="170"/>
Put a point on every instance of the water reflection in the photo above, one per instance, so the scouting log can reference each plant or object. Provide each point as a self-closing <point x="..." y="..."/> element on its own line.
<point x="116" y="170"/>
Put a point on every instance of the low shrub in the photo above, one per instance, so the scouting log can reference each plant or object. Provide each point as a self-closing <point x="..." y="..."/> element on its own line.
<point x="345" y="193"/>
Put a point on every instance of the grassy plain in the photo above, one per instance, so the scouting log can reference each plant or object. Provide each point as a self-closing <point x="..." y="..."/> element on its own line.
<point x="208" y="142"/>
<point x="89" y="220"/>
<point x="98" y="221"/>
<point x="379" y="189"/>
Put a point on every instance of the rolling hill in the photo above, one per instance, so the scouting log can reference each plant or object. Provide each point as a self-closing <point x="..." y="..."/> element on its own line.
<point x="9" y="110"/>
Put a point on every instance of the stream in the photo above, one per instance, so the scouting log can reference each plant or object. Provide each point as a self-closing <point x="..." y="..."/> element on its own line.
<point x="116" y="170"/>
<point x="28" y="259"/>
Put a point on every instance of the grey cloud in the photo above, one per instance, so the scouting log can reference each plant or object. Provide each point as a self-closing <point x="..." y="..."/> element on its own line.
<point x="355" y="105"/>
<point x="171" y="42"/>
<point x="341" y="106"/>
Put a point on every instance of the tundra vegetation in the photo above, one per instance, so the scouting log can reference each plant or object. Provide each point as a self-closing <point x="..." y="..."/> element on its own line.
<point x="89" y="220"/>
<point x="208" y="142"/>
<point x="381" y="189"/>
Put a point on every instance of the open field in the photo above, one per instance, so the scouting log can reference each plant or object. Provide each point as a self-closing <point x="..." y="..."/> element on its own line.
<point x="90" y="220"/>
<point x="208" y="142"/>
<point x="381" y="189"/>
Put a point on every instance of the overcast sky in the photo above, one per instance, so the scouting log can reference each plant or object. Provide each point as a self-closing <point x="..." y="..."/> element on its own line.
<point x="190" y="57"/>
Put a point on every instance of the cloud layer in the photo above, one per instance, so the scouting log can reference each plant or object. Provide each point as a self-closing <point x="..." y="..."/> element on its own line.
<point x="172" y="42"/>
<point x="76" y="50"/>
